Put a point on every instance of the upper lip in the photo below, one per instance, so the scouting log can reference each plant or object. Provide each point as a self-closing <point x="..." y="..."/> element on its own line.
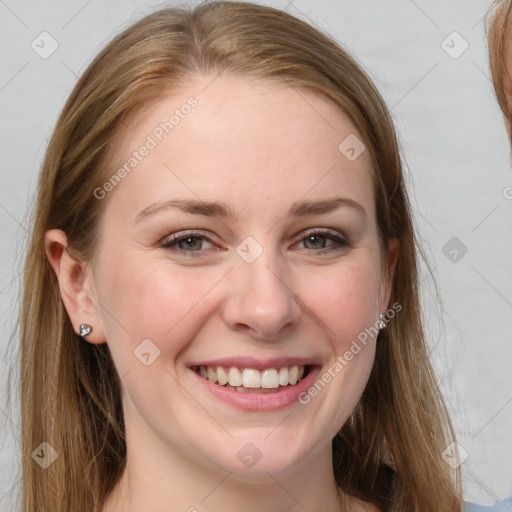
<point x="257" y="364"/>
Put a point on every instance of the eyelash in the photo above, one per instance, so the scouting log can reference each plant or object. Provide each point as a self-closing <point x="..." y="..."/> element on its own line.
<point x="171" y="242"/>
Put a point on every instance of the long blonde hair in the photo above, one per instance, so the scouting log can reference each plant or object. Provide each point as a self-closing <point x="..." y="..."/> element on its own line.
<point x="499" y="29"/>
<point x="389" y="452"/>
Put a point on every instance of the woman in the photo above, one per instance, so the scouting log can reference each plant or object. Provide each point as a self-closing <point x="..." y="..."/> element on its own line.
<point x="221" y="292"/>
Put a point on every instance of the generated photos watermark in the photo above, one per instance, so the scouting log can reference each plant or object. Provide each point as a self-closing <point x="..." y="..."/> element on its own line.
<point x="152" y="140"/>
<point x="343" y="360"/>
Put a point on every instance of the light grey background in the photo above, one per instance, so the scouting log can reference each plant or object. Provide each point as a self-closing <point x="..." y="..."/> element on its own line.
<point x="457" y="159"/>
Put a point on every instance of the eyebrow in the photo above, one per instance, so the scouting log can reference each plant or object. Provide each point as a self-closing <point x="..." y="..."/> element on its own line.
<point x="218" y="209"/>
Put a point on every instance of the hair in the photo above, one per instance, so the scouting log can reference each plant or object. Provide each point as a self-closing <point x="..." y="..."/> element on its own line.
<point x="389" y="452"/>
<point x="499" y="32"/>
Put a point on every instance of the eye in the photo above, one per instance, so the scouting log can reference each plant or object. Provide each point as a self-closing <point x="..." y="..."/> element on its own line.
<point x="192" y="243"/>
<point x="323" y="241"/>
<point x="186" y="243"/>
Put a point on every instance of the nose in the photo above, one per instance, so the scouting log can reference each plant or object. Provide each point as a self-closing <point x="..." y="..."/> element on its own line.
<point x="261" y="301"/>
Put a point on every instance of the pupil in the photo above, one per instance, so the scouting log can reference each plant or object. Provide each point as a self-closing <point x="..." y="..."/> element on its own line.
<point x="191" y="241"/>
<point x="314" y="239"/>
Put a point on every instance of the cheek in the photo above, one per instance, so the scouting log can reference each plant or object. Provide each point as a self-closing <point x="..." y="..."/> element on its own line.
<point x="343" y="299"/>
<point x="347" y="311"/>
<point x="165" y="304"/>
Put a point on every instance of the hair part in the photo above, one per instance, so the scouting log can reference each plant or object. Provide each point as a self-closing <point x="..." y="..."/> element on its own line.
<point x="389" y="451"/>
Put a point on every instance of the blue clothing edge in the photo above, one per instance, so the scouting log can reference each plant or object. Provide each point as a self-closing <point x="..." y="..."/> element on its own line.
<point x="500" y="506"/>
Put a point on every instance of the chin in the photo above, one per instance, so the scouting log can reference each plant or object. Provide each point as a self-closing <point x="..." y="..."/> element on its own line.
<point x="251" y="458"/>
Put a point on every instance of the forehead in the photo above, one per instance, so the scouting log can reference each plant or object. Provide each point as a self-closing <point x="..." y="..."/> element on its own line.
<point x="242" y="138"/>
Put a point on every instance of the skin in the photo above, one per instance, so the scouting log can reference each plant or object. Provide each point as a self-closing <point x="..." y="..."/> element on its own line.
<point x="259" y="148"/>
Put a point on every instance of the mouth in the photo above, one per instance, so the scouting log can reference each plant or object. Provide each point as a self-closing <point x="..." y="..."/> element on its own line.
<point x="256" y="385"/>
<point x="253" y="380"/>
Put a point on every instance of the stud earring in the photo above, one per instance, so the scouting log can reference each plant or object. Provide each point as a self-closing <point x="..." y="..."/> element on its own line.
<point x="382" y="321"/>
<point x="85" y="330"/>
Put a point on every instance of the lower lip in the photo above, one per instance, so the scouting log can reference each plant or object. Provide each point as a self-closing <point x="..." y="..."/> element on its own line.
<point x="263" y="402"/>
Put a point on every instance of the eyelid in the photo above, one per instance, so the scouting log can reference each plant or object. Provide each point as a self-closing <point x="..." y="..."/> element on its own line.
<point x="184" y="234"/>
<point x="341" y="240"/>
<point x="170" y="240"/>
<point x="323" y="231"/>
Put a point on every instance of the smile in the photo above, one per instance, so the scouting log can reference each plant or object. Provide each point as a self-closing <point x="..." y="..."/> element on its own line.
<point x="252" y="380"/>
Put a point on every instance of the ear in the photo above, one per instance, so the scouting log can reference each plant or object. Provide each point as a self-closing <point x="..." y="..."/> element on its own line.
<point x="388" y="272"/>
<point x="76" y="284"/>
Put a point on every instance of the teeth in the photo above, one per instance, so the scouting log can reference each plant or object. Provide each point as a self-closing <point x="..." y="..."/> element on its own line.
<point x="283" y="376"/>
<point x="294" y="374"/>
<point x="211" y="374"/>
<point x="250" y="378"/>
<point x="222" y="376"/>
<point x="269" y="379"/>
<point x="235" y="377"/>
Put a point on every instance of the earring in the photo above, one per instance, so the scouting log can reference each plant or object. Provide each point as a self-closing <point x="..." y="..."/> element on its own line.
<point x="382" y="321"/>
<point x="85" y="330"/>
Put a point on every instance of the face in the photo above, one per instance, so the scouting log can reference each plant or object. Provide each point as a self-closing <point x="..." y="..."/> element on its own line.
<point x="241" y="244"/>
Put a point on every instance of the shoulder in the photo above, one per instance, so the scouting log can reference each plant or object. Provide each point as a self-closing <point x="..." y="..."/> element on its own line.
<point x="499" y="506"/>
